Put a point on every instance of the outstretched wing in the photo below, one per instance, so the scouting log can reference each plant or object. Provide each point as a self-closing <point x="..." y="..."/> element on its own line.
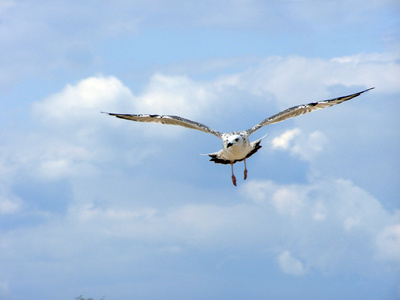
<point x="302" y="109"/>
<point x="169" y="120"/>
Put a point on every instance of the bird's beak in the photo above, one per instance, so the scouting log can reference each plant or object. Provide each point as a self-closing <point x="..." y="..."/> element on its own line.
<point x="228" y="145"/>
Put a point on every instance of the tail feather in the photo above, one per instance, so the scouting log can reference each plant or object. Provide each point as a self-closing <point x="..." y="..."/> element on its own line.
<point x="218" y="157"/>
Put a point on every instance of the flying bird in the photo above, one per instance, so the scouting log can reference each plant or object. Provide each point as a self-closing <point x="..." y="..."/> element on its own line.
<point x="236" y="145"/>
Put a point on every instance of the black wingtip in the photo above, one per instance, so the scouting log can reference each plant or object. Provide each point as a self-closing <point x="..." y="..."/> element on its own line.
<point x="107" y="113"/>
<point x="367" y="90"/>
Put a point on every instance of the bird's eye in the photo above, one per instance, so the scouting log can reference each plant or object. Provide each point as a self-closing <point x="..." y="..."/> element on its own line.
<point x="236" y="139"/>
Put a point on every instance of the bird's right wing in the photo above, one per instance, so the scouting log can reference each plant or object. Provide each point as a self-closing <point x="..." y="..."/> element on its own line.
<point x="169" y="120"/>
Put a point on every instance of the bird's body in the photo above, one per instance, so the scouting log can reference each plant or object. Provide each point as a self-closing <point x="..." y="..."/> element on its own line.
<point x="236" y="145"/>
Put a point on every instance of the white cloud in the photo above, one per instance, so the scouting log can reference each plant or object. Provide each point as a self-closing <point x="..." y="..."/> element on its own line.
<point x="258" y="190"/>
<point x="84" y="101"/>
<point x="306" y="146"/>
<point x="177" y="95"/>
<point x="137" y="234"/>
<point x="292" y="80"/>
<point x="79" y="105"/>
<point x="310" y="146"/>
<point x="287" y="200"/>
<point x="313" y="218"/>
<point x="285" y="138"/>
<point x="320" y="219"/>
<point x="290" y="264"/>
<point x="75" y="136"/>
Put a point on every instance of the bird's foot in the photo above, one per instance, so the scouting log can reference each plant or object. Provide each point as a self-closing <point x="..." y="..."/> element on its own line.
<point x="234" y="180"/>
<point x="245" y="174"/>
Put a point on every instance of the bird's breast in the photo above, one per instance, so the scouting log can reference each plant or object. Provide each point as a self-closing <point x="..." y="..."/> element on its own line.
<point x="237" y="152"/>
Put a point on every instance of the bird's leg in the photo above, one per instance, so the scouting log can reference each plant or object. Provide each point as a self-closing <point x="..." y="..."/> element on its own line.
<point x="233" y="176"/>
<point x="245" y="170"/>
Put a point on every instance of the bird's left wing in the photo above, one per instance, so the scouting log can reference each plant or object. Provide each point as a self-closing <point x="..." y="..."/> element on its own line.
<point x="302" y="109"/>
<point x="169" y="120"/>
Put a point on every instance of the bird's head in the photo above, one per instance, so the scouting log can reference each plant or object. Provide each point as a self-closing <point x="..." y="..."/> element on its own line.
<point x="235" y="139"/>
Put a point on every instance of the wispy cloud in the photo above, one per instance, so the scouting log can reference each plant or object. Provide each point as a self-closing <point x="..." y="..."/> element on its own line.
<point x="290" y="264"/>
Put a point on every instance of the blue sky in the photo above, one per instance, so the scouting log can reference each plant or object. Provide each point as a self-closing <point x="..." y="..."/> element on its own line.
<point x="96" y="206"/>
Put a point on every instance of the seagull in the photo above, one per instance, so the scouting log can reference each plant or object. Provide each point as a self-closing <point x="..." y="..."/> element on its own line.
<point x="236" y="146"/>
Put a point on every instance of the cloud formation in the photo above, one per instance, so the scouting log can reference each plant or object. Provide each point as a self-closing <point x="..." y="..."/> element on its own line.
<point x="97" y="206"/>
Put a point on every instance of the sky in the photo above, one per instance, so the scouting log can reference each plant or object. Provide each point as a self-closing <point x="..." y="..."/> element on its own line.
<point x="95" y="206"/>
